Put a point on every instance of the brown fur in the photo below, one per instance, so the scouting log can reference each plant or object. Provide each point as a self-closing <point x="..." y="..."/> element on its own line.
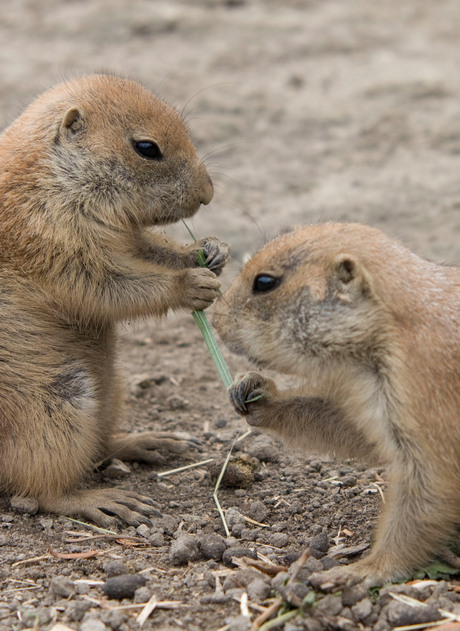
<point x="76" y="257"/>
<point x="375" y="332"/>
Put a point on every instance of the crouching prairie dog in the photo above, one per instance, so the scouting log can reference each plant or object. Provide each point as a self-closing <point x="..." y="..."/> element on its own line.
<point x="374" y="331"/>
<point x="84" y="172"/>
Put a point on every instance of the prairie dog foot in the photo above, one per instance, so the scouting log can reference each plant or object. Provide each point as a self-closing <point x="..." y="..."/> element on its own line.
<point x="346" y="575"/>
<point x="216" y="253"/>
<point x="248" y="386"/>
<point x="105" y="507"/>
<point x="152" y="447"/>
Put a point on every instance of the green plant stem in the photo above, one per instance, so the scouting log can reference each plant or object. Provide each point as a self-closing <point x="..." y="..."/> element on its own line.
<point x="214" y="350"/>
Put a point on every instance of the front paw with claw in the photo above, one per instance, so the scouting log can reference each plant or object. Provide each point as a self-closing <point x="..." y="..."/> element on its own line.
<point x="248" y="393"/>
<point x="215" y="252"/>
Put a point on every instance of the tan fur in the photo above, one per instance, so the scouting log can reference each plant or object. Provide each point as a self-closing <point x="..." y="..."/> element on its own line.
<point x="375" y="332"/>
<point x="76" y="257"/>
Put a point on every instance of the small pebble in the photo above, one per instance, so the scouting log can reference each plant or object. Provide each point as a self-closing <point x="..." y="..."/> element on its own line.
<point x="3" y="540"/>
<point x="143" y="530"/>
<point x="157" y="540"/>
<point x="262" y="448"/>
<point x="319" y="545"/>
<point x="175" y="402"/>
<point x="184" y="549"/>
<point x="76" y="609"/>
<point x="212" y="546"/>
<point x="353" y="594"/>
<point x="330" y="605"/>
<point x="237" y="551"/>
<point x="279" y="539"/>
<point x="258" y="589"/>
<point x="123" y="586"/>
<point x="46" y="523"/>
<point x="235" y="520"/>
<point x="399" y="614"/>
<point x="93" y="624"/>
<point x="258" y="511"/>
<point x="28" y="505"/>
<point x="62" y="586"/>
<point x="142" y="595"/>
<point x="115" y="568"/>
<point x="117" y="469"/>
<point x="7" y="518"/>
<point x="349" y="480"/>
<point x="362" y="610"/>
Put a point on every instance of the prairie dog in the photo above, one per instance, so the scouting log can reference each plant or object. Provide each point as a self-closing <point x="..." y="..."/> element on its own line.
<point x="375" y="332"/>
<point x="84" y="172"/>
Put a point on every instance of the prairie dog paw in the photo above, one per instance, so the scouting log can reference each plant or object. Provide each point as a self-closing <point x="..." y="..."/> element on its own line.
<point x="216" y="253"/>
<point x="200" y="289"/>
<point x="342" y="576"/>
<point x="152" y="447"/>
<point x="247" y="390"/>
<point x="105" y="507"/>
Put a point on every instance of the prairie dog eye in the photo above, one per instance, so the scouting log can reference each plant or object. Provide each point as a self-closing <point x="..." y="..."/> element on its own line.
<point x="148" y="149"/>
<point x="265" y="282"/>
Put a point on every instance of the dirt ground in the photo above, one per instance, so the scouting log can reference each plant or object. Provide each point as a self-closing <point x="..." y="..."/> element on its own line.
<point x="304" y="111"/>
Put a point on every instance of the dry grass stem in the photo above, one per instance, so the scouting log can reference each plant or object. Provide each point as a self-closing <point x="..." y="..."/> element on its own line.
<point x="161" y="604"/>
<point x="256" y="523"/>
<point x="379" y="489"/>
<point x="258" y="622"/>
<point x="147" y="610"/>
<point x="31" y="560"/>
<point x="185" y="468"/>
<point x="244" y="605"/>
<point x="92" y="526"/>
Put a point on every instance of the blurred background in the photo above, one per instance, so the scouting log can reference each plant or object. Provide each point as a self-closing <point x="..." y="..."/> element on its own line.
<point x="304" y="110"/>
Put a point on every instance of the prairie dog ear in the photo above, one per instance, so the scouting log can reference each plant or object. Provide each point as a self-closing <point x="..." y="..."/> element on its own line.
<point x="350" y="273"/>
<point x="73" y="123"/>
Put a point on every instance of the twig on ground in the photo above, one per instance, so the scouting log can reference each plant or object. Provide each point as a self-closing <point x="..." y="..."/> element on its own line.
<point x="147" y="610"/>
<point x="164" y="474"/>
<point x="258" y="622"/>
<point x="216" y="489"/>
<point x="92" y="526"/>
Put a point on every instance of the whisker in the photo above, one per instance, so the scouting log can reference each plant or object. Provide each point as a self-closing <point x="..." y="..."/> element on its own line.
<point x="224" y="148"/>
<point x="185" y="114"/>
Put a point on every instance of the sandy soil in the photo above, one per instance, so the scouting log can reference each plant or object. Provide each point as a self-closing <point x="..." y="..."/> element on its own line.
<point x="304" y="111"/>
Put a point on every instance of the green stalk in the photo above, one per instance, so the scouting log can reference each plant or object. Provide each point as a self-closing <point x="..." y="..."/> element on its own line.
<point x="214" y="350"/>
<point x="206" y="331"/>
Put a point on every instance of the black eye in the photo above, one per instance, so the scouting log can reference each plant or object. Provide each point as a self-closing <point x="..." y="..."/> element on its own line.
<point x="148" y="149"/>
<point x="264" y="282"/>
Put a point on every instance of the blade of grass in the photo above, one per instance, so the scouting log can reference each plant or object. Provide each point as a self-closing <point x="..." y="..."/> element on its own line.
<point x="214" y="350"/>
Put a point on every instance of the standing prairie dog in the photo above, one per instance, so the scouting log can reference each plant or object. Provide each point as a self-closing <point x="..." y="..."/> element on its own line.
<point x="374" y="331"/>
<point x="84" y="172"/>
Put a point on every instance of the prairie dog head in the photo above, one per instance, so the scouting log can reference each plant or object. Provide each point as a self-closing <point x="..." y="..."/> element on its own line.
<point x="109" y="147"/>
<point x="308" y="296"/>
